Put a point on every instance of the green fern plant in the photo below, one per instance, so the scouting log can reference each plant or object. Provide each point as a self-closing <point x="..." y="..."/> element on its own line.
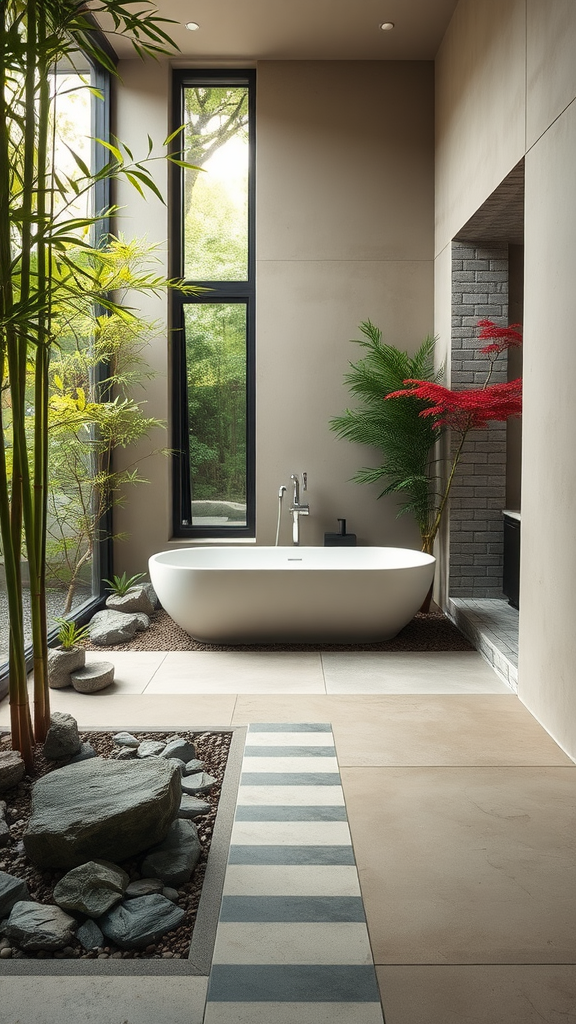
<point x="395" y="428"/>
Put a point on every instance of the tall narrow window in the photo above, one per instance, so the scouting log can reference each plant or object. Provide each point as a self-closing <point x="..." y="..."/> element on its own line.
<point x="213" y="331"/>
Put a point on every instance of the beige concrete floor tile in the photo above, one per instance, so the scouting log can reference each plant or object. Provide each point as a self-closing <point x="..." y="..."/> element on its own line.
<point x="409" y="672"/>
<point x="133" y="670"/>
<point x="458" y="729"/>
<point x="238" y="672"/>
<point x="466" y="865"/>
<point x="102" y="710"/>
<point x="41" y="999"/>
<point x="478" y="995"/>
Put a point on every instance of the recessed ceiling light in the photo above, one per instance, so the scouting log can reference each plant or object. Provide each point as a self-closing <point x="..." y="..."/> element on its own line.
<point x="387" y="26"/>
<point x="192" y="26"/>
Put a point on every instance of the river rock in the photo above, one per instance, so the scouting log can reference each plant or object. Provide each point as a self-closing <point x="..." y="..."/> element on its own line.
<point x="192" y="807"/>
<point x="62" y="739"/>
<point x="150" y="748"/>
<point x="91" y="888"/>
<point x="152" y="595"/>
<point x="12" y="769"/>
<point x="126" y="754"/>
<point x="126" y="739"/>
<point x="136" y="599"/>
<point x="134" y="924"/>
<point x="4" y="833"/>
<point x="180" y="748"/>
<point x="86" y="751"/>
<point x="90" y="935"/>
<point x="143" y="621"/>
<point x="193" y="767"/>
<point x="109" y="627"/>
<point x="199" y="783"/>
<point x="171" y="894"/>
<point x="101" y="810"/>
<point x="12" y="890"/>
<point x="61" y="663"/>
<point x="143" y="887"/>
<point x="174" y="859"/>
<point x="93" y="677"/>
<point x="35" y="926"/>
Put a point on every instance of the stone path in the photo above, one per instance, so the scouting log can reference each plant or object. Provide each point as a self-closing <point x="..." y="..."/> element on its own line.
<point x="292" y="944"/>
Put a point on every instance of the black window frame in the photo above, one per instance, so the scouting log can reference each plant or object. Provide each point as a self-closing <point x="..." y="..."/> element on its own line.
<point x="221" y="292"/>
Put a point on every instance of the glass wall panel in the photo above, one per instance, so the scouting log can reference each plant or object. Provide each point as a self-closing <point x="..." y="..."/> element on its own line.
<point x="215" y="198"/>
<point x="72" y="556"/>
<point x="216" y="389"/>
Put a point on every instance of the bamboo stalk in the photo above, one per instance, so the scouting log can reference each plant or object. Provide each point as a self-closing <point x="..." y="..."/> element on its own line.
<point x="11" y="501"/>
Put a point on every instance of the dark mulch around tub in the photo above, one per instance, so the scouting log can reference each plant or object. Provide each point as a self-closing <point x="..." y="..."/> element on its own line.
<point x="427" y="632"/>
<point x="212" y="749"/>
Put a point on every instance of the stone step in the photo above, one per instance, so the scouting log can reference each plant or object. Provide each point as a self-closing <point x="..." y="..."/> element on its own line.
<point x="93" y="677"/>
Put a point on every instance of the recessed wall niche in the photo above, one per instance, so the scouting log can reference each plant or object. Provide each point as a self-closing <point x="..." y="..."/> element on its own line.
<point x="487" y="275"/>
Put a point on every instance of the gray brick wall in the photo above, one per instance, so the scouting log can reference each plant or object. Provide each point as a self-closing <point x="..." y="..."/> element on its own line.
<point x="479" y="289"/>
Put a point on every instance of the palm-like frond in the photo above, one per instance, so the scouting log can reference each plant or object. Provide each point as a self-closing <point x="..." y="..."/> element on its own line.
<point x="394" y="427"/>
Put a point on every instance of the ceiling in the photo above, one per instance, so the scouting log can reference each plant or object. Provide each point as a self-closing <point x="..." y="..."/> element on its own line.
<point x="244" y="31"/>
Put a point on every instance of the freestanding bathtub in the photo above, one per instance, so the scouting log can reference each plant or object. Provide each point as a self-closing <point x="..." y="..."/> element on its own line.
<point x="297" y="595"/>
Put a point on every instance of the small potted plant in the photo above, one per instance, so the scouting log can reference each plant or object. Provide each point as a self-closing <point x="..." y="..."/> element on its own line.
<point x="69" y="657"/>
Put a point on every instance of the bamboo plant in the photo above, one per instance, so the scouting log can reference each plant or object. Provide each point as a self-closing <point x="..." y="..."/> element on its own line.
<point x="45" y="260"/>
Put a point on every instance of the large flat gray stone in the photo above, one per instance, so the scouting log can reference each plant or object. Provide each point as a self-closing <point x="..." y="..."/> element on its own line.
<point x="101" y="810"/>
<point x="141" y="921"/>
<point x="35" y="926"/>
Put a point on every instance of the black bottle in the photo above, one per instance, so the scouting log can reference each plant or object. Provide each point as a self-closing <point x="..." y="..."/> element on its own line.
<point x="341" y="539"/>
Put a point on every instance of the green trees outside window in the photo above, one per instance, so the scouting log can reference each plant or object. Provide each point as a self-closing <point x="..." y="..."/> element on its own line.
<point x="213" y="249"/>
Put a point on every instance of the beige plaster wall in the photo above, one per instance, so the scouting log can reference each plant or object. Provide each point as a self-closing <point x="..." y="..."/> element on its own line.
<point x="344" y="233"/>
<point x="504" y="46"/>
<point x="480" y="107"/>
<point x="141" y="108"/>
<point x="547" y="594"/>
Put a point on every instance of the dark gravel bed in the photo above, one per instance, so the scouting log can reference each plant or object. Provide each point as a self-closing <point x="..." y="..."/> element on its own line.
<point x="212" y="749"/>
<point x="430" y="631"/>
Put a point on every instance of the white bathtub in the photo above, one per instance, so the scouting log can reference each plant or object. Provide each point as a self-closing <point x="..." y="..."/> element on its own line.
<point x="297" y="595"/>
